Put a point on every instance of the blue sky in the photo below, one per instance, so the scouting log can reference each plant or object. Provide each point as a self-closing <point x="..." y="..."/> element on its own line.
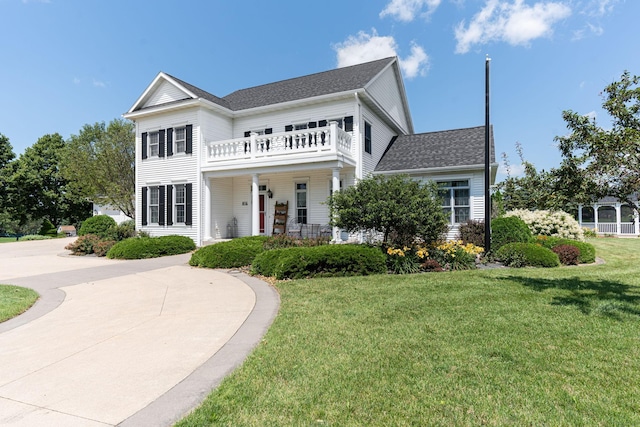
<point x="66" y="63"/>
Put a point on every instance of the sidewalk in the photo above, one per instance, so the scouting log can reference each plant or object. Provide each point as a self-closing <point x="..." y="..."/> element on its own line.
<point x="121" y="342"/>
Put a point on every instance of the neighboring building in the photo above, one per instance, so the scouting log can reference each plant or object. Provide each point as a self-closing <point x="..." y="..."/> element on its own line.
<point x="609" y="216"/>
<point x="67" y="230"/>
<point x="114" y="213"/>
<point x="212" y="168"/>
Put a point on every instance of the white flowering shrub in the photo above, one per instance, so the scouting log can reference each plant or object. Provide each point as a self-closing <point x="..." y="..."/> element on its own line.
<point x="550" y="223"/>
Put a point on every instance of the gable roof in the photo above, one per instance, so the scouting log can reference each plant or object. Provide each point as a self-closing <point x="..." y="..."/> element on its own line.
<point x="314" y="85"/>
<point x="445" y="149"/>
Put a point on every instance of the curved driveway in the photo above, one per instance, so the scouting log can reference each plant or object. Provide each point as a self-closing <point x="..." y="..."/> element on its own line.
<point x="131" y="343"/>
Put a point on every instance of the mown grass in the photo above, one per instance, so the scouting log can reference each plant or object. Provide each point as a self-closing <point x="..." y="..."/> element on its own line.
<point x="15" y="300"/>
<point x="485" y="347"/>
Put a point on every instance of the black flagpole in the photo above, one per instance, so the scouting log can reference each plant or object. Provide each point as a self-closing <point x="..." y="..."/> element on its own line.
<point x="487" y="165"/>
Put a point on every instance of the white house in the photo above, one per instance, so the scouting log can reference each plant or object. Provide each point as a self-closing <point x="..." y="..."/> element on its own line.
<point x="211" y="168"/>
<point x="610" y="216"/>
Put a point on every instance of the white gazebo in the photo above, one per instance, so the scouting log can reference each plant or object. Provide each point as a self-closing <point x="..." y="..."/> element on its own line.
<point x="609" y="216"/>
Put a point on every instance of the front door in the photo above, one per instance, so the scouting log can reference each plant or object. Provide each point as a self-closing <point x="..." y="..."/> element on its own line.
<point x="262" y="214"/>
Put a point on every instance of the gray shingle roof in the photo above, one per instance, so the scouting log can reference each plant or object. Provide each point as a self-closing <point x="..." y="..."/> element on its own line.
<point x="324" y="83"/>
<point x="449" y="148"/>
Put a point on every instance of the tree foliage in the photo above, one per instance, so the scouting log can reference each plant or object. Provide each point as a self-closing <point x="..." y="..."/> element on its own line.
<point x="400" y="208"/>
<point x="37" y="189"/>
<point x="610" y="158"/>
<point x="100" y="162"/>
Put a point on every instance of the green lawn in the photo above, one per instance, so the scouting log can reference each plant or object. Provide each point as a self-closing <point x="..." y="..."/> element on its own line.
<point x="486" y="347"/>
<point x="7" y="239"/>
<point x="15" y="300"/>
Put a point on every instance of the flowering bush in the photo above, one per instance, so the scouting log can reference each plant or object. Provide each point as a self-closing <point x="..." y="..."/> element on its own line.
<point x="550" y="223"/>
<point x="405" y="260"/>
<point x="456" y="255"/>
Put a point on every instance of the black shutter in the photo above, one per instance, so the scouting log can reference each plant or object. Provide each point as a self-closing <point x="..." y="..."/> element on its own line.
<point x="348" y="124"/>
<point x="144" y="145"/>
<point x="288" y="128"/>
<point x="169" y="204"/>
<point x="169" y="142"/>
<point x="144" y="205"/>
<point x="188" y="217"/>
<point x="268" y="131"/>
<point x="161" y="205"/>
<point x="247" y="134"/>
<point x="161" y="143"/>
<point x="189" y="136"/>
<point x="312" y="125"/>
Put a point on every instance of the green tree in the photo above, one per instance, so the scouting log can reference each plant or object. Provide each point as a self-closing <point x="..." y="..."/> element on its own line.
<point x="7" y="158"/>
<point x="100" y="164"/>
<point x="608" y="158"/>
<point x="39" y="191"/>
<point x="399" y="208"/>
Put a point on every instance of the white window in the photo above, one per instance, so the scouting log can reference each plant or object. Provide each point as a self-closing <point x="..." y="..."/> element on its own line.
<point x="301" y="202"/>
<point x="154" y="144"/>
<point x="180" y="140"/>
<point x="154" y="205"/>
<point x="455" y="200"/>
<point x="301" y="126"/>
<point x="179" y="203"/>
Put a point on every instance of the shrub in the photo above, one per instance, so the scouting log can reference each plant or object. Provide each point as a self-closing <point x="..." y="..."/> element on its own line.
<point x="83" y="245"/>
<point x="508" y="229"/>
<point x="284" y="241"/>
<point x="102" y="247"/>
<point x="151" y="247"/>
<point x="34" y="237"/>
<point x="48" y="229"/>
<point x="125" y="230"/>
<point x="527" y="254"/>
<point x="589" y="232"/>
<point x="550" y="223"/>
<point x="567" y="254"/>
<point x="472" y="231"/>
<point x="431" y="265"/>
<point x="232" y="254"/>
<point x="102" y="226"/>
<point x="587" y="250"/>
<point x="405" y="260"/>
<point x="455" y="255"/>
<point x="320" y="261"/>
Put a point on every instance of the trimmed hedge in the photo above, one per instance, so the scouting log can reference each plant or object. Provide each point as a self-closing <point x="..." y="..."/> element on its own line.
<point x="527" y="254"/>
<point x="320" y="261"/>
<point x="509" y="229"/>
<point x="100" y="225"/>
<point x="587" y="250"/>
<point x="232" y="254"/>
<point x="151" y="247"/>
<point x="567" y="254"/>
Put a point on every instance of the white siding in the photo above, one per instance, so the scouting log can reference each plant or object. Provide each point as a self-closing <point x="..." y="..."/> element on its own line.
<point x="166" y="92"/>
<point x="222" y="211"/>
<point x="381" y="135"/>
<point x="386" y="92"/>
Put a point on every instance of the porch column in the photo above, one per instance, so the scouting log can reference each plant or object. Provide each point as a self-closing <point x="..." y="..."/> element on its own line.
<point x="207" y="209"/>
<point x="333" y="135"/>
<point x="580" y="215"/>
<point x="255" y="203"/>
<point x="618" y="219"/>
<point x="636" y="221"/>
<point x="254" y="146"/>
<point x="335" y="186"/>
<point x="595" y="217"/>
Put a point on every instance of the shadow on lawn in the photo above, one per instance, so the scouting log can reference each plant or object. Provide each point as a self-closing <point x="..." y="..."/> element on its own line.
<point x="606" y="298"/>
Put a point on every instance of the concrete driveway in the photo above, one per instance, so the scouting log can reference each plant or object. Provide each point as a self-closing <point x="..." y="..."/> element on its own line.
<point x="110" y="342"/>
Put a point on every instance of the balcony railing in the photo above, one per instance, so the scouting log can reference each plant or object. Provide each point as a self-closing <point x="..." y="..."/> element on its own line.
<point x="325" y="140"/>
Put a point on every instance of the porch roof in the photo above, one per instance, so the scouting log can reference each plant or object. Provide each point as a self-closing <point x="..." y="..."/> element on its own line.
<point x="449" y="148"/>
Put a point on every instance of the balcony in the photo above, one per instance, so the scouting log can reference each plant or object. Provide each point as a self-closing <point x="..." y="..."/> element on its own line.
<point x="303" y="146"/>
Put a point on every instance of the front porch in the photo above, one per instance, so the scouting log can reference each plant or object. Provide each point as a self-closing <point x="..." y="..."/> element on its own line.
<point x="249" y="204"/>
<point x="610" y="218"/>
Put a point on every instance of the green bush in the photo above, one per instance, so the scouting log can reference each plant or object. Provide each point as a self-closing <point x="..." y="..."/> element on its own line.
<point x="284" y="241"/>
<point x="527" y="254"/>
<point x="508" y="229"/>
<point x="232" y="254"/>
<point x="472" y="231"/>
<point x="83" y="245"/>
<point x="48" y="229"/>
<point x="125" y="230"/>
<point x="151" y="247"/>
<point x="320" y="261"/>
<point x="102" y="226"/>
<point x="587" y="250"/>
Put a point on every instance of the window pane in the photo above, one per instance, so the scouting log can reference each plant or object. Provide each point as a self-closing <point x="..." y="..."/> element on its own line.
<point x="607" y="214"/>
<point x="301" y="186"/>
<point x="445" y="197"/>
<point x="179" y="194"/>
<point x="588" y="214"/>
<point x="462" y="214"/>
<point x="626" y="213"/>
<point x="153" y="214"/>
<point x="153" y="197"/>
<point x="180" y="213"/>
<point x="461" y="197"/>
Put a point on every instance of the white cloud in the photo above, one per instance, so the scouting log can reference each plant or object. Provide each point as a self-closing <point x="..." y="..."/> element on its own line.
<point x="600" y="7"/>
<point x="98" y="83"/>
<point x="513" y="22"/>
<point x="365" y="47"/>
<point x="406" y="10"/>
<point x="513" y="171"/>
<point x="76" y="80"/>
<point x="592" y="115"/>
